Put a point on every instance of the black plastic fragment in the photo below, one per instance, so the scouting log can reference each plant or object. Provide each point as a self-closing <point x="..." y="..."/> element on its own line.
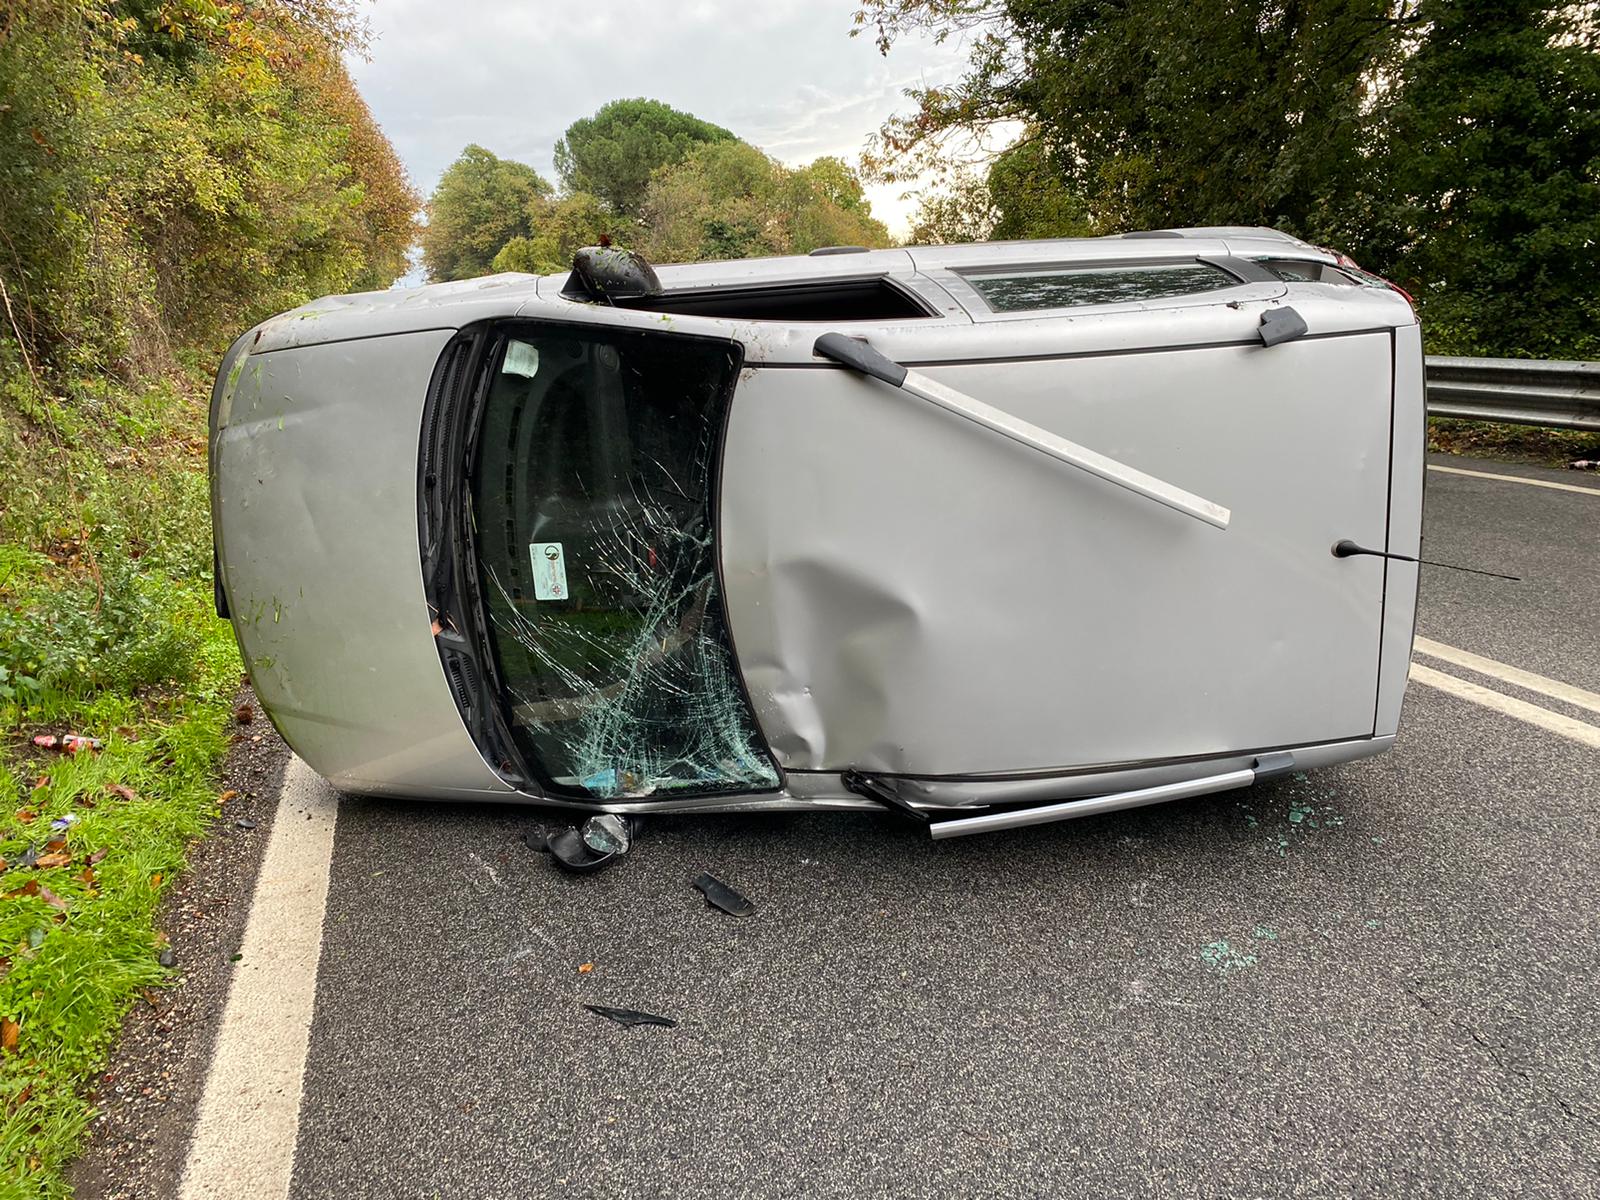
<point x="884" y="792"/>
<point x="1280" y="325"/>
<point x="1270" y="766"/>
<point x="857" y="355"/>
<point x="630" y="1017"/>
<point x="724" y="897"/>
<point x="567" y="848"/>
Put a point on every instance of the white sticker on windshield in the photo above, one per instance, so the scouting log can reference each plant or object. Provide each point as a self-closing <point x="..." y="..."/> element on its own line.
<point x="521" y="359"/>
<point x="549" y="571"/>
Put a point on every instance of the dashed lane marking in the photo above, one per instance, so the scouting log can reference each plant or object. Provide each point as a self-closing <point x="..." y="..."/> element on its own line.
<point x="1515" y="676"/>
<point x="1568" y="727"/>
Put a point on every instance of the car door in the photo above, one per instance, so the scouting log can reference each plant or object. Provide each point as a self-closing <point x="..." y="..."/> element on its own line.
<point x="911" y="594"/>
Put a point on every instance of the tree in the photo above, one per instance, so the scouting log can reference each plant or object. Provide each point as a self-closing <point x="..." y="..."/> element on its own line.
<point x="729" y="200"/>
<point x="1490" y="169"/>
<point x="176" y="171"/>
<point x="613" y="153"/>
<point x="1021" y="195"/>
<point x="481" y="203"/>
<point x="1154" y="112"/>
<point x="961" y="210"/>
<point x="559" y="229"/>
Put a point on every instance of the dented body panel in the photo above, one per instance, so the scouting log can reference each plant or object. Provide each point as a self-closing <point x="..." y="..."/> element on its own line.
<point x="833" y="577"/>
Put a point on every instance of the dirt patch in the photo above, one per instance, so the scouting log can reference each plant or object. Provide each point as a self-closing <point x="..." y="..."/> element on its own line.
<point x="149" y="1092"/>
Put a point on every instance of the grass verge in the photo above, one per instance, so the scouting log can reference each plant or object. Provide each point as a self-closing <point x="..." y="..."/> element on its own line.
<point x="105" y="630"/>
<point x="1512" y="443"/>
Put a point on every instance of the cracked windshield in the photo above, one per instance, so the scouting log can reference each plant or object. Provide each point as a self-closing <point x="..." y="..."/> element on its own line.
<point x="593" y="510"/>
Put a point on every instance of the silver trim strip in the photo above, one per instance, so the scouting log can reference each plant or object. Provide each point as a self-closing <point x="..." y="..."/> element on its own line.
<point x="1043" y="815"/>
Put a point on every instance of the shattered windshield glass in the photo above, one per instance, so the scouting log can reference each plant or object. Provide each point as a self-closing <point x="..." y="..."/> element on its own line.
<point x="592" y="500"/>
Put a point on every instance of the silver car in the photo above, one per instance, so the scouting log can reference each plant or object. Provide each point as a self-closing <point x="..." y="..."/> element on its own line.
<point x="987" y="535"/>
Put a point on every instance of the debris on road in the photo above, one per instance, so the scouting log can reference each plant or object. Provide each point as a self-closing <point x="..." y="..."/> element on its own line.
<point x="630" y="1017"/>
<point x="66" y="743"/>
<point x="720" y="895"/>
<point x="602" y="839"/>
<point x="585" y="968"/>
<point x="167" y="958"/>
<point x="244" y="714"/>
<point x="607" y="833"/>
<point x="244" y="823"/>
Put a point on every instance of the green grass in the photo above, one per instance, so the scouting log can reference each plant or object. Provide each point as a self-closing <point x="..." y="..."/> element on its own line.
<point x="106" y="630"/>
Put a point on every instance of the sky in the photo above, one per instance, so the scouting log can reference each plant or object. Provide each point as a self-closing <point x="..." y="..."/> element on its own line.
<point x="512" y="75"/>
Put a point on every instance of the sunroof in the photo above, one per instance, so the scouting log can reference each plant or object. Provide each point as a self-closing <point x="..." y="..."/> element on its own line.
<point x="873" y="299"/>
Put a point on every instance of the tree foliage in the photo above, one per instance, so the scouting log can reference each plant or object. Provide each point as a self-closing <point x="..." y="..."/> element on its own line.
<point x="729" y="200"/>
<point x="559" y="228"/>
<point x="481" y="203"/>
<point x="1488" y="186"/>
<point x="613" y="153"/>
<point x="1450" y="144"/>
<point x="705" y="195"/>
<point x="174" y="171"/>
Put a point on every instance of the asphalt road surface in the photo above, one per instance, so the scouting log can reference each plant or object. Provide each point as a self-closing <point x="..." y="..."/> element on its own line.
<point x="1376" y="980"/>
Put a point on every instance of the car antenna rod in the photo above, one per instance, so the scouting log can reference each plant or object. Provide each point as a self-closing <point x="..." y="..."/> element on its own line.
<point x="856" y="354"/>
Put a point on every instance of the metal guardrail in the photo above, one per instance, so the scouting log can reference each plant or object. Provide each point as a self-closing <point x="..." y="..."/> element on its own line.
<point x="1521" y="391"/>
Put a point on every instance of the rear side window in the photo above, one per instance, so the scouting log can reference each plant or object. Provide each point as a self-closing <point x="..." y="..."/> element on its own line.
<point x="1069" y="287"/>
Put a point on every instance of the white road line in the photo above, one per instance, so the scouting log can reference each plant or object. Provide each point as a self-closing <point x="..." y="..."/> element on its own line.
<point x="1544" y="483"/>
<point x="1515" y="676"/>
<point x="1568" y="727"/>
<point x="250" y="1113"/>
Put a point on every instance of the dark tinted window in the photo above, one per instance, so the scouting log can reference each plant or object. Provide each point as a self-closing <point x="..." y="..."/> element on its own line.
<point x="1293" y="270"/>
<point x="829" y="300"/>
<point x="593" y="515"/>
<point x="1067" y="287"/>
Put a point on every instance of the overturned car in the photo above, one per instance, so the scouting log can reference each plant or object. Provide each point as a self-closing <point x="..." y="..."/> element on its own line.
<point x="987" y="535"/>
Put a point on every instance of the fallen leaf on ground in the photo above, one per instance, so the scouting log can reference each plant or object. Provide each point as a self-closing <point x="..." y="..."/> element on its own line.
<point x="227" y="795"/>
<point x="155" y="880"/>
<point x="27" y="816"/>
<point x="122" y="790"/>
<point x="53" y="900"/>
<point x="56" y="858"/>
<point x="9" y="1030"/>
<point x="585" y="968"/>
<point x="31" y="888"/>
<point x="97" y="855"/>
<point x="244" y="714"/>
<point x="42" y="782"/>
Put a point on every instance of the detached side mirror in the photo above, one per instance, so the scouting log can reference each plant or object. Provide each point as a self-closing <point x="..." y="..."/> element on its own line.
<point x="607" y="274"/>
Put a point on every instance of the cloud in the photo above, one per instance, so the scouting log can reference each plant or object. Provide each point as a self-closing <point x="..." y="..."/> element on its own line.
<point x="783" y="74"/>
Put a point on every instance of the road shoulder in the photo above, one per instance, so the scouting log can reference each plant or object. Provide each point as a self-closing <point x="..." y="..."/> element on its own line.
<point x="150" y="1091"/>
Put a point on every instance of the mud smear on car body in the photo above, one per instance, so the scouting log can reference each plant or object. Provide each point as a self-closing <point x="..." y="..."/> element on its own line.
<point x="150" y="1090"/>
